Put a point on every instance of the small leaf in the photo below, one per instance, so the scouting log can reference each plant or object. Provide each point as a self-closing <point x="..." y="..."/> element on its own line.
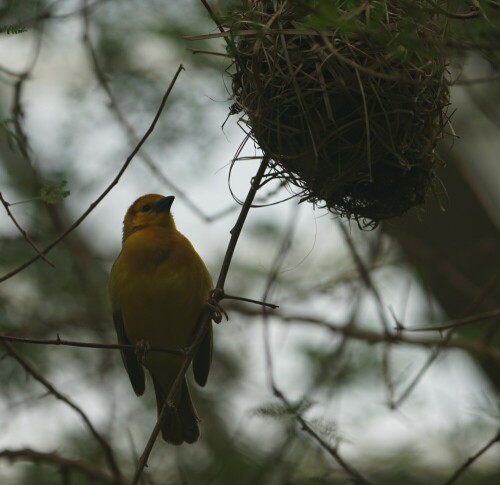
<point x="326" y="429"/>
<point x="279" y="410"/>
<point x="52" y="194"/>
<point x="12" y="29"/>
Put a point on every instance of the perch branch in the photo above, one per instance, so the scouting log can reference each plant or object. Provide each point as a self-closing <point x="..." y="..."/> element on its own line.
<point x="204" y="319"/>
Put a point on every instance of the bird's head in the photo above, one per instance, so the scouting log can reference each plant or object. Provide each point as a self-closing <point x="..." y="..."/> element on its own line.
<point x="147" y="211"/>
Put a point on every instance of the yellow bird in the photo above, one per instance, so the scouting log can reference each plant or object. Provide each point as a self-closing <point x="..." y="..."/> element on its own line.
<point x="158" y="286"/>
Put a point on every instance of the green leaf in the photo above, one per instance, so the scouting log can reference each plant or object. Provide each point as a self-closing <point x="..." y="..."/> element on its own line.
<point x="12" y="29"/>
<point x="52" y="194"/>
<point x="281" y="410"/>
<point x="326" y="429"/>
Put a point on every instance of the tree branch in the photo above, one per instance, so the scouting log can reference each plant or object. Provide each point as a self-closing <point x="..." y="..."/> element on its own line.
<point x="108" y="452"/>
<point x="204" y="319"/>
<point x="88" y="469"/>
<point x="23" y="232"/>
<point x="473" y="458"/>
<point x="87" y="345"/>
<point x="459" y="322"/>
<point x="96" y="202"/>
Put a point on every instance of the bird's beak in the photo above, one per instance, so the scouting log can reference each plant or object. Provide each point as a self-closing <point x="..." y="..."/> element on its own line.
<point x="163" y="205"/>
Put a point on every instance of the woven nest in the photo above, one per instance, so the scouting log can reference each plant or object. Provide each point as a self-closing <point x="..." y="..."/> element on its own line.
<point x="351" y="119"/>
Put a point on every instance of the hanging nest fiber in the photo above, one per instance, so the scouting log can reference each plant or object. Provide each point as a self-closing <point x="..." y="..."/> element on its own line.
<point x="350" y="113"/>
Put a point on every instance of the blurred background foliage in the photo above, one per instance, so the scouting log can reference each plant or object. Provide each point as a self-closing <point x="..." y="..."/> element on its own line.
<point x="80" y="83"/>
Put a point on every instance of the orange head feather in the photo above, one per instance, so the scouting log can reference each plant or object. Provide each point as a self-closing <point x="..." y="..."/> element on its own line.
<point x="148" y="210"/>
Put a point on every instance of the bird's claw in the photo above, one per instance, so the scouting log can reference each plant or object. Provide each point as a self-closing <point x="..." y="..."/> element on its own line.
<point x="214" y="296"/>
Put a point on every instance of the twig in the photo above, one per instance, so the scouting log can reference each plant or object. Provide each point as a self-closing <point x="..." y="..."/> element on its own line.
<point x="131" y="133"/>
<point x="473" y="458"/>
<point x="433" y="355"/>
<point x="236" y="230"/>
<point x="204" y="319"/>
<point x="225" y="296"/>
<point x="88" y="345"/>
<point x="460" y="322"/>
<point x="326" y="446"/>
<point x="95" y="474"/>
<point x="364" y="272"/>
<point x="94" y="204"/>
<point x="211" y="53"/>
<point x="278" y="262"/>
<point x="373" y="338"/>
<point x="108" y="452"/>
<point x="213" y="16"/>
<point x="23" y="232"/>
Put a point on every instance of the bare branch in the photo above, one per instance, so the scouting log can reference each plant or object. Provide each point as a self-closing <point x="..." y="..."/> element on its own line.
<point x="473" y="458"/>
<point x="204" y="319"/>
<point x="371" y="337"/>
<point x="86" y="345"/>
<point x="108" y="452"/>
<point x="132" y="135"/>
<point x="23" y="232"/>
<point x="95" y="474"/>
<point x="225" y="296"/>
<point x="459" y="322"/>
<point x="365" y="275"/>
<point x="333" y="452"/>
<point x="96" y="202"/>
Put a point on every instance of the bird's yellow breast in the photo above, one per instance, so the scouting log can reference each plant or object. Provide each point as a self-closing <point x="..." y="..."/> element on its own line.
<point x="159" y="283"/>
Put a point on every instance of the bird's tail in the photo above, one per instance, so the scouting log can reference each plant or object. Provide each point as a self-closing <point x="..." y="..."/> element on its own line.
<point x="181" y="423"/>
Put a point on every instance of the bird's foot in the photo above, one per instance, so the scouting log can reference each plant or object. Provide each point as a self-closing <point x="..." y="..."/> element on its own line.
<point x="214" y="297"/>
<point x="142" y="348"/>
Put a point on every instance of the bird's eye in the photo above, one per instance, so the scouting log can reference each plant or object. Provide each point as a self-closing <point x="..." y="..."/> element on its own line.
<point x="146" y="208"/>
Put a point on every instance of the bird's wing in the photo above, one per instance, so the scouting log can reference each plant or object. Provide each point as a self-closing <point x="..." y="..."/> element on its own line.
<point x="132" y="365"/>
<point x="203" y="358"/>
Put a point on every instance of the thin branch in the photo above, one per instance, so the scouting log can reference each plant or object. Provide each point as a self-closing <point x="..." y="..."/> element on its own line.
<point x="213" y="16"/>
<point x="23" y="232"/>
<point x="94" y="204"/>
<point x="211" y="53"/>
<point x="374" y="338"/>
<point x="236" y="230"/>
<point x="87" y="345"/>
<point x="365" y="274"/>
<point x="459" y="322"/>
<point x="473" y="458"/>
<point x="131" y="133"/>
<point x="225" y="296"/>
<point x="332" y="451"/>
<point x="108" y="451"/>
<point x="203" y="320"/>
<point x="95" y="474"/>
